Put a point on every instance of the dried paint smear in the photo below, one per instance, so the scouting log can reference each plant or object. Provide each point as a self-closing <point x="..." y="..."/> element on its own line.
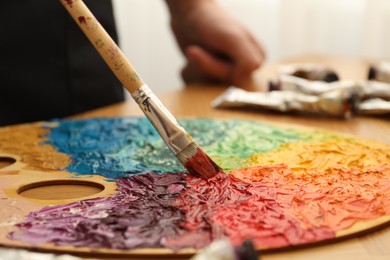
<point x="285" y="187"/>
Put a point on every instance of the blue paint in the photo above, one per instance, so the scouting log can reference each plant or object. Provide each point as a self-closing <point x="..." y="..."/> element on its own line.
<point x="113" y="147"/>
<point x="120" y="147"/>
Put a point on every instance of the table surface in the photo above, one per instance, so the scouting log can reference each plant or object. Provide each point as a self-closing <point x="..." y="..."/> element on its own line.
<point x="194" y="101"/>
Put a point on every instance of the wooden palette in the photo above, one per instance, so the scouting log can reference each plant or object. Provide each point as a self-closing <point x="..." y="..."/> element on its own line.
<point x="24" y="188"/>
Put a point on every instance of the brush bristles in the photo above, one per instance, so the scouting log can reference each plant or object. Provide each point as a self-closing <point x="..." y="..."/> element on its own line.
<point x="197" y="162"/>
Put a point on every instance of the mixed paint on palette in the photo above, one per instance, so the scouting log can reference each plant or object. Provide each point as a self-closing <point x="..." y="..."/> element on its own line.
<point x="283" y="187"/>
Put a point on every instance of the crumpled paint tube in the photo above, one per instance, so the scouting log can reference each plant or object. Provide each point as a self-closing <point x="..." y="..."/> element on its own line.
<point x="380" y="72"/>
<point x="340" y="102"/>
<point x="364" y="88"/>
<point x="223" y="250"/>
<point x="316" y="88"/>
<point x="373" y="96"/>
<point x="310" y="71"/>
<point x="374" y="106"/>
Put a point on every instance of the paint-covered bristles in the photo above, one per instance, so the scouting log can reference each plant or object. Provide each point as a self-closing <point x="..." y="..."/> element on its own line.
<point x="197" y="162"/>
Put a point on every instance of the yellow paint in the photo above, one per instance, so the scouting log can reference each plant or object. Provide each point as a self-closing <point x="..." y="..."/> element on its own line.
<point x="340" y="152"/>
<point x="26" y="142"/>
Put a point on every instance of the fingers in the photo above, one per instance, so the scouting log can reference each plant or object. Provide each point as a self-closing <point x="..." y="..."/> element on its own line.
<point x="217" y="46"/>
<point x="246" y="54"/>
<point x="202" y="66"/>
<point x="236" y="69"/>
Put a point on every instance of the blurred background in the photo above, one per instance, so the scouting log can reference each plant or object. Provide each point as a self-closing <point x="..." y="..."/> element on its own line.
<point x="286" y="28"/>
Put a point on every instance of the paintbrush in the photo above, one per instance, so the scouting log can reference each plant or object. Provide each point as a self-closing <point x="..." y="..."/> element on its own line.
<point x="190" y="155"/>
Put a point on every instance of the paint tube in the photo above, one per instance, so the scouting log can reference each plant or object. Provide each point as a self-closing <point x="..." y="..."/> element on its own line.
<point x="312" y="72"/>
<point x="374" y="106"/>
<point x="288" y="82"/>
<point x="224" y="250"/>
<point x="365" y="89"/>
<point x="340" y="103"/>
<point x="375" y="89"/>
<point x="380" y="72"/>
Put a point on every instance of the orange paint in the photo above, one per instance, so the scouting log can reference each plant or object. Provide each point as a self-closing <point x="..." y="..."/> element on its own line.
<point x="335" y="198"/>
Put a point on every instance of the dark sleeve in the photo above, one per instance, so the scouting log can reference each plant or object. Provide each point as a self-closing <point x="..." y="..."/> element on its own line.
<point x="48" y="68"/>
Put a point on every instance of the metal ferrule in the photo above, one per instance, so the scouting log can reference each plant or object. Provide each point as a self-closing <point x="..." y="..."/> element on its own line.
<point x="172" y="133"/>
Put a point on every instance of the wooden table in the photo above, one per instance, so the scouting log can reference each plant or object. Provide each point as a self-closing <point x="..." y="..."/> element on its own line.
<point x="194" y="101"/>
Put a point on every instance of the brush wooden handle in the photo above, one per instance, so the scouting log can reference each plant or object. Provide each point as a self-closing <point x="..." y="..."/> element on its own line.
<point x="104" y="44"/>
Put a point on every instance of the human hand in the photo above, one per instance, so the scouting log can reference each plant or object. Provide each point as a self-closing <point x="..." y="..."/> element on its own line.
<point x="218" y="48"/>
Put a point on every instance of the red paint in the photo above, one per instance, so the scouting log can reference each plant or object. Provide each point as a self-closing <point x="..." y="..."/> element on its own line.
<point x="69" y="2"/>
<point x="275" y="207"/>
<point x="224" y="206"/>
<point x="82" y="20"/>
<point x="201" y="165"/>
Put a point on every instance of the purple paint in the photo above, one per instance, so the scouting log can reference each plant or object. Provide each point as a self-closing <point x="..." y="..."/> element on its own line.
<point x="140" y="214"/>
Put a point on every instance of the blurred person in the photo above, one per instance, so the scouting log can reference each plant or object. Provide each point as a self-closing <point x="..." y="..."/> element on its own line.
<point x="49" y="69"/>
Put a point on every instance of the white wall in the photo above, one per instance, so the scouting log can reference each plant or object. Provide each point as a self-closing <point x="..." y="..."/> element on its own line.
<point x="376" y="37"/>
<point x="332" y="26"/>
<point x="285" y="27"/>
<point x="145" y="38"/>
